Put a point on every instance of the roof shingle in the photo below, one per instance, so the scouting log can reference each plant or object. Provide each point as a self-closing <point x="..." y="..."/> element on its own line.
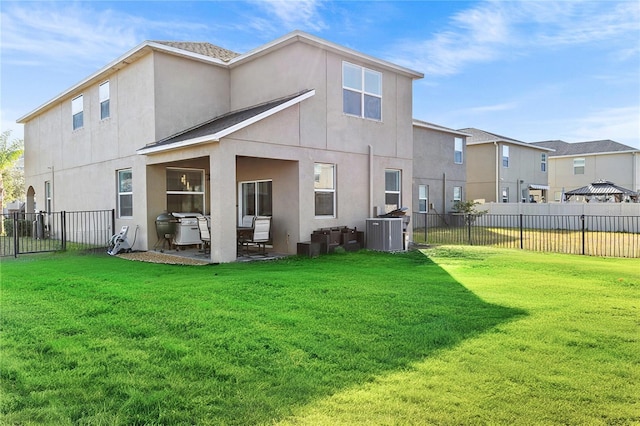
<point x="202" y="48"/>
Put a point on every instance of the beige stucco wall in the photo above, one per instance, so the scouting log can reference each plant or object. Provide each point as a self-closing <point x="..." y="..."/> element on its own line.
<point x="434" y="166"/>
<point x="481" y="172"/>
<point x="187" y="93"/>
<point x="622" y="169"/>
<point x="484" y="178"/>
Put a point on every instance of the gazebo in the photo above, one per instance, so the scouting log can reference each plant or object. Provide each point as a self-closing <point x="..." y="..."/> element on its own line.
<point x="603" y="191"/>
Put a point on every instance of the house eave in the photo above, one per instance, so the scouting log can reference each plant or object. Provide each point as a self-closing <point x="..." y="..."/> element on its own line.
<point x="301" y="36"/>
<point x="430" y="126"/>
<point x="115" y="65"/>
<point x="591" y="154"/>
<point x="511" y="142"/>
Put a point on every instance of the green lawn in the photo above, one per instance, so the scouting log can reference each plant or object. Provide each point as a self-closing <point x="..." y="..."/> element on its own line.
<point x="456" y="336"/>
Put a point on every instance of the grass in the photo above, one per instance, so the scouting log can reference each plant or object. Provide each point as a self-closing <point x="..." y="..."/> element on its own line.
<point x="462" y="335"/>
<point x="615" y="244"/>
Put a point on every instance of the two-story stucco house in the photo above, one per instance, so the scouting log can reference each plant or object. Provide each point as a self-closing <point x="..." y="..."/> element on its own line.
<point x="439" y="168"/>
<point x="574" y="165"/>
<point x="306" y="131"/>
<point x="505" y="170"/>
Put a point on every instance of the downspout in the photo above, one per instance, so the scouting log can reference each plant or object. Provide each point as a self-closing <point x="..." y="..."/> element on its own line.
<point x="495" y="143"/>
<point x="371" y="181"/>
<point x="634" y="172"/>
<point x="444" y="193"/>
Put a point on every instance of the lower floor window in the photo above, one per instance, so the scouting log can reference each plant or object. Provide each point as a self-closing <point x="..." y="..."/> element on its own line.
<point x="125" y="193"/>
<point x="324" y="186"/>
<point x="457" y="193"/>
<point x="505" y="195"/>
<point x="185" y="190"/>
<point x="256" y="199"/>
<point x="392" y="199"/>
<point x="423" y="198"/>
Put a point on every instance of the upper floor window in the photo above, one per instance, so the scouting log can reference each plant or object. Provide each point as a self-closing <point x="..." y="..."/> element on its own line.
<point x="457" y="151"/>
<point x="324" y="186"/>
<point x="543" y="162"/>
<point x="104" y="100"/>
<point x="505" y="155"/>
<point x="578" y="166"/>
<point x="423" y="198"/>
<point x="125" y="193"/>
<point x="361" y="92"/>
<point x="77" y="108"/>
<point x="392" y="187"/>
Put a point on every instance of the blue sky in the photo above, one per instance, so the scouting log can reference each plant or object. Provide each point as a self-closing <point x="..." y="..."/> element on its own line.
<point x="528" y="70"/>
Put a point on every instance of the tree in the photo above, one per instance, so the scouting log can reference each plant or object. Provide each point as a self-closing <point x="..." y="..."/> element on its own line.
<point x="468" y="208"/>
<point x="11" y="181"/>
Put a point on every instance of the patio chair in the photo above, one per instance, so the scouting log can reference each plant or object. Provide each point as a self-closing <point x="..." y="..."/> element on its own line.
<point x="205" y="234"/>
<point x="260" y="236"/>
<point x="247" y="221"/>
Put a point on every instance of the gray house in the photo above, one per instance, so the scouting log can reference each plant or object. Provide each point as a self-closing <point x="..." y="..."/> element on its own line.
<point x="308" y="132"/>
<point x="439" y="167"/>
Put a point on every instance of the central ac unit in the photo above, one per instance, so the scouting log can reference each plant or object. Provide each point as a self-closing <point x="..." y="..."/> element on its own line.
<point x="384" y="234"/>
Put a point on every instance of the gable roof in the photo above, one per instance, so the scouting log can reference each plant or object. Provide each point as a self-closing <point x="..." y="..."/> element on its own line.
<point x="437" y="127"/>
<point x="202" y="48"/>
<point x="563" y="148"/>
<point x="218" y="127"/>
<point x="206" y="52"/>
<point x="479" y="137"/>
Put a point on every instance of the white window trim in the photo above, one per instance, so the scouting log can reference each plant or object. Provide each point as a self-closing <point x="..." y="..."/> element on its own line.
<point x="425" y="198"/>
<point x="201" y="193"/>
<point x="362" y="91"/>
<point x="102" y="99"/>
<point x="326" y="190"/>
<point x="459" y="198"/>
<point x="543" y="162"/>
<point x="399" y="191"/>
<point x="75" y="111"/>
<point x="241" y="198"/>
<point x="120" y="215"/>
<point x="505" y="150"/>
<point x="455" y="150"/>
<point x="576" y="162"/>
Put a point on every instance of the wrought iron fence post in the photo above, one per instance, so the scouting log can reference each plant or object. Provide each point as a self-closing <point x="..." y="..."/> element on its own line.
<point x="583" y="232"/>
<point x="521" y="232"/>
<point x="16" y="239"/>
<point x="63" y="224"/>
<point x="467" y="219"/>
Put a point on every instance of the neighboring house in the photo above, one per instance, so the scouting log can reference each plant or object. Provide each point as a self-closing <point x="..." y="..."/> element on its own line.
<point x="439" y="167"/>
<point x="574" y="165"/>
<point x="309" y="132"/>
<point x="505" y="170"/>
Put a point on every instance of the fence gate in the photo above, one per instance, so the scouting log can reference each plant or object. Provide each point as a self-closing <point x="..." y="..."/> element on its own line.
<point x="23" y="233"/>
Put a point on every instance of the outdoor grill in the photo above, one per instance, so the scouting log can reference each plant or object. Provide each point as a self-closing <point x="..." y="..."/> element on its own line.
<point x="165" y="228"/>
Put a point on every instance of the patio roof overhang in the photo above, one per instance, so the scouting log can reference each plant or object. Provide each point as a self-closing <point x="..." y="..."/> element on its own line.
<point x="219" y="127"/>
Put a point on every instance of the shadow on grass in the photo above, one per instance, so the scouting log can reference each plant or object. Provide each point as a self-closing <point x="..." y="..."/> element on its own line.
<point x="242" y="344"/>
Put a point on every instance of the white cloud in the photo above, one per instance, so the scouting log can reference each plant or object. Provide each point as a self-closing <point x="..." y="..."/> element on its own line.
<point x="619" y="124"/>
<point x="494" y="30"/>
<point x="291" y="14"/>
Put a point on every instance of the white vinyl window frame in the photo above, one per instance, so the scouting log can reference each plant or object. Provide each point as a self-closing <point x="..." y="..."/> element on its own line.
<point x="48" y="197"/>
<point x="457" y="193"/>
<point x="505" y="156"/>
<point x="125" y="193"/>
<point x="392" y="189"/>
<point x="104" y="96"/>
<point x="324" y="188"/>
<point x="77" y="112"/>
<point x="259" y="202"/>
<point x="191" y="188"/>
<point x="423" y="198"/>
<point x="543" y="162"/>
<point x="361" y="92"/>
<point x="578" y="166"/>
<point x="457" y="151"/>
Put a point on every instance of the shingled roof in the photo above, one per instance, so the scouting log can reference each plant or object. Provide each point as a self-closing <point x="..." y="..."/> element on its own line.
<point x="580" y="148"/>
<point x="202" y="48"/>
<point x="482" y="137"/>
<point x="223" y="125"/>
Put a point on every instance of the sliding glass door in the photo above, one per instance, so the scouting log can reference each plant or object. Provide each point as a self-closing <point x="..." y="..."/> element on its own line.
<point x="255" y="199"/>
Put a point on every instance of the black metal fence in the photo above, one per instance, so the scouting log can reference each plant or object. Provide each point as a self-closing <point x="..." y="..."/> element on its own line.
<point x="23" y="233"/>
<point x="613" y="236"/>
